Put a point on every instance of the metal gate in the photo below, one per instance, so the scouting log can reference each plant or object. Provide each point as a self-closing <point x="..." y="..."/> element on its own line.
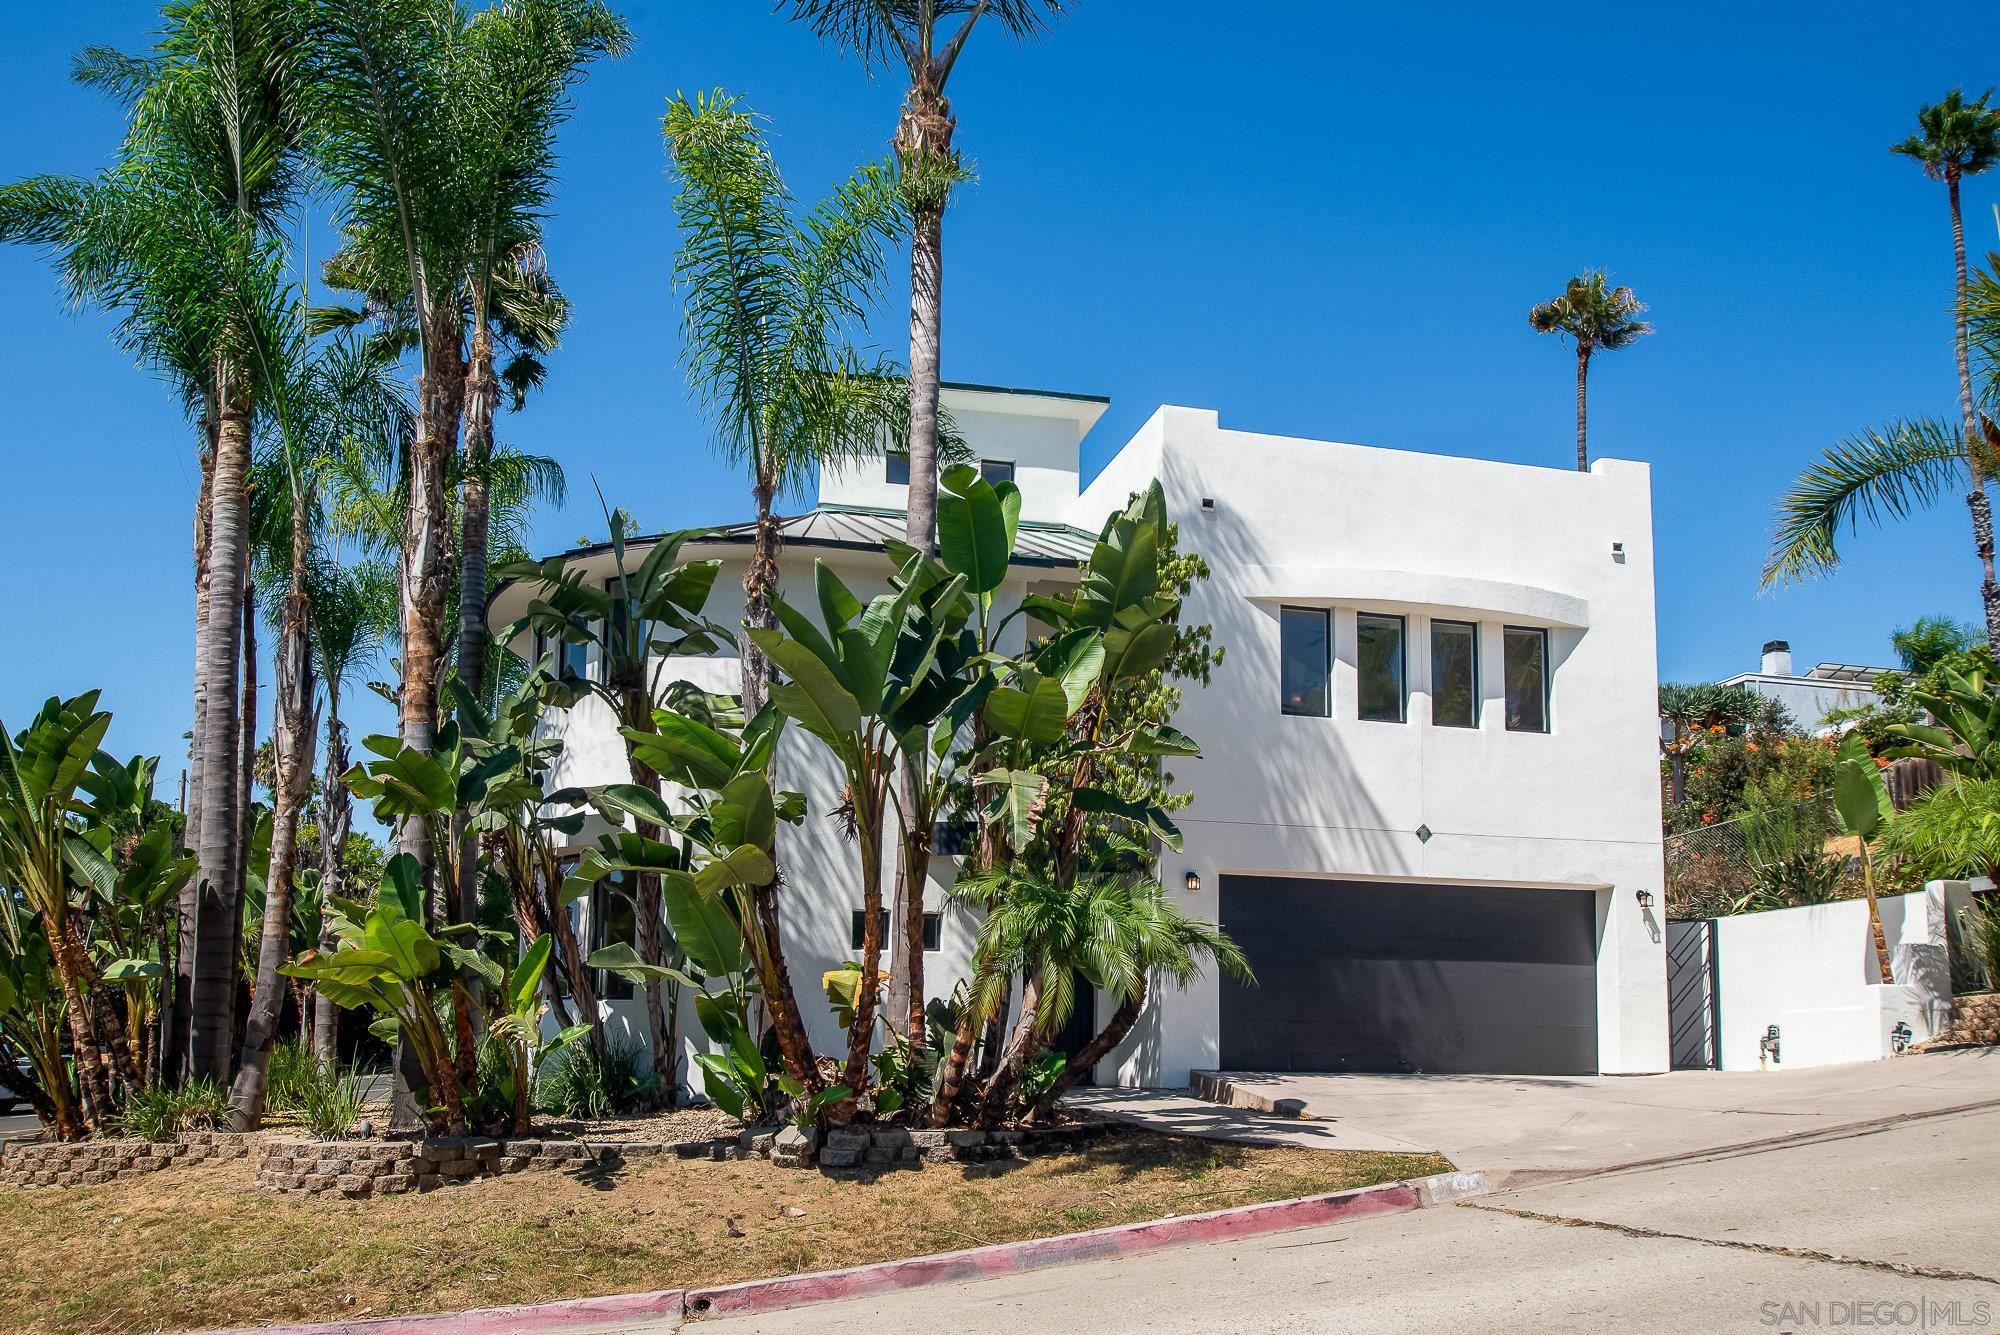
<point x="1694" y="1024"/>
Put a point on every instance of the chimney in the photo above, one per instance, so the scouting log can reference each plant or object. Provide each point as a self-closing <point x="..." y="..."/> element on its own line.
<point x="1777" y="659"/>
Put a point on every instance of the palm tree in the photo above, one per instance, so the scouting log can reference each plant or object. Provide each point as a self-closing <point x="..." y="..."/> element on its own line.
<point x="1597" y="319"/>
<point x="1956" y="139"/>
<point x="182" y="238"/>
<point x="353" y="615"/>
<point x="912" y="33"/>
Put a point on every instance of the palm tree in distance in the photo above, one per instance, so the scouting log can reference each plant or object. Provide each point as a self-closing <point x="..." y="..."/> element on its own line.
<point x="925" y="37"/>
<point x="1597" y="318"/>
<point x="1956" y="139"/>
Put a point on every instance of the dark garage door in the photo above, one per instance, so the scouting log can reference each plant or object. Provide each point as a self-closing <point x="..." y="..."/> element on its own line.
<point x="1372" y="976"/>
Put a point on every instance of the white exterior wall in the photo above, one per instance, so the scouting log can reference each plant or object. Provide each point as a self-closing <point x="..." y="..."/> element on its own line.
<point x="1349" y="528"/>
<point x="1813" y="972"/>
<point x="1309" y="523"/>
<point x="1807" y="699"/>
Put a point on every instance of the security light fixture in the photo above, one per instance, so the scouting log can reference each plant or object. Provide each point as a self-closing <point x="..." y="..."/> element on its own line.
<point x="1645" y="899"/>
<point x="1194" y="882"/>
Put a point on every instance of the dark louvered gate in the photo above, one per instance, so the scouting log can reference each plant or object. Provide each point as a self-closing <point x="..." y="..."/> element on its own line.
<point x="1694" y="1024"/>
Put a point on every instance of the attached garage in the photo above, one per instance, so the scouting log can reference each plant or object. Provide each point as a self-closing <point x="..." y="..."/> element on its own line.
<point x="1391" y="976"/>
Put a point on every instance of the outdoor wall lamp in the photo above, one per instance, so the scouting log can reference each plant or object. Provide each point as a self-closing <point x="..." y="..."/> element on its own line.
<point x="1645" y="899"/>
<point x="1194" y="882"/>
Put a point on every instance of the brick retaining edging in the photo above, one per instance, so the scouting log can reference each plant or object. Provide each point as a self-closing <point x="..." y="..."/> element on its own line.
<point x="1975" y="1019"/>
<point x="360" y="1169"/>
<point x="89" y="1163"/>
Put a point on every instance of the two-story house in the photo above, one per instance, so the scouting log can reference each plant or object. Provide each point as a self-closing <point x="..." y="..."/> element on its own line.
<point x="1427" y="804"/>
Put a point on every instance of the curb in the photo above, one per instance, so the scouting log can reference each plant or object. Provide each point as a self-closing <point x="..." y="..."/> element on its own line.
<point x="1215" y="1087"/>
<point x="1004" y="1258"/>
<point x="569" y="1314"/>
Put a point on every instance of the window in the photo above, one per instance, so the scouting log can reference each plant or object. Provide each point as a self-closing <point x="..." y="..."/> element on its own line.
<point x="1454" y="674"/>
<point x="1379" y="667"/>
<point x="612" y="923"/>
<point x="1305" y="660"/>
<point x="997" y="470"/>
<point x="1527" y="651"/>
<point x="569" y="658"/>
<point x="933" y="930"/>
<point x="897" y="472"/>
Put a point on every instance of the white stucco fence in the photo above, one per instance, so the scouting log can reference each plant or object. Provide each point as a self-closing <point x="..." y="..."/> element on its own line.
<point x="1813" y="973"/>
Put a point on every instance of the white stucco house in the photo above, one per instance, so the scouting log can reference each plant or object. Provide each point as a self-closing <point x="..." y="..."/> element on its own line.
<point x="1428" y="800"/>
<point x="1811" y="695"/>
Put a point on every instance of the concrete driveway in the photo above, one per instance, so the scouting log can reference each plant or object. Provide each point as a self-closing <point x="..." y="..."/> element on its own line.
<point x="1528" y="1126"/>
<point x="1888" y="1229"/>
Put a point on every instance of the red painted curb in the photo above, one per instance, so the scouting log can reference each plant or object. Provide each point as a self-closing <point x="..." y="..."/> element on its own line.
<point x="664" y="1305"/>
<point x="765" y="1295"/>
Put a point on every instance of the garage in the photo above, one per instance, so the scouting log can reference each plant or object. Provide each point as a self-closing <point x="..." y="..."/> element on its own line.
<point x="1397" y="977"/>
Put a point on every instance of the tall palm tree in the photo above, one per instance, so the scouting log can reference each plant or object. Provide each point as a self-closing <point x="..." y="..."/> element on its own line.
<point x="772" y="296"/>
<point x="1597" y="319"/>
<point x="183" y="238"/>
<point x="926" y="38"/>
<point x="1956" y="139"/>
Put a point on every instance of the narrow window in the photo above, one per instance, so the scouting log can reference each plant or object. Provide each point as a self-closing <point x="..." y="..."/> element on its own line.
<point x="1454" y="674"/>
<point x="618" y="624"/>
<point x="612" y="923"/>
<point x="997" y="470"/>
<point x="1379" y="665"/>
<point x="897" y="473"/>
<point x="933" y="929"/>
<point x="1527" y="651"/>
<point x="569" y="658"/>
<point x="1305" y="660"/>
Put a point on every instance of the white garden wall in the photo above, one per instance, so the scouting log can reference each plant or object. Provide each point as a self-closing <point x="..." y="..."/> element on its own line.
<point x="1813" y="973"/>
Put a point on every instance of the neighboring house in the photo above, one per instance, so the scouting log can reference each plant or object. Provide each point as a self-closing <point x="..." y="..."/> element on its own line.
<point x="1811" y="697"/>
<point x="1428" y="802"/>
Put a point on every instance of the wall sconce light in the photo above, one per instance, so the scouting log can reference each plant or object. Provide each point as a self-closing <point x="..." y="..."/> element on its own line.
<point x="1194" y="882"/>
<point x="1645" y="899"/>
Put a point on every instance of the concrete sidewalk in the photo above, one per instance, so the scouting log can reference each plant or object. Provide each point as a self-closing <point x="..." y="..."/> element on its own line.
<point x="1526" y="1126"/>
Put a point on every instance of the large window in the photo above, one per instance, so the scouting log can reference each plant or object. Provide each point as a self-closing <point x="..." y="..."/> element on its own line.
<point x="1305" y="653"/>
<point x="569" y="658"/>
<point x="997" y="470"/>
<point x="1454" y="674"/>
<point x="1378" y="649"/>
<point x="897" y="470"/>
<point x="1527" y="665"/>
<point x="612" y="922"/>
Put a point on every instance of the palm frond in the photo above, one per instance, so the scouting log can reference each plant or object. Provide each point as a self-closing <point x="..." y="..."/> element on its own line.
<point x="1873" y="477"/>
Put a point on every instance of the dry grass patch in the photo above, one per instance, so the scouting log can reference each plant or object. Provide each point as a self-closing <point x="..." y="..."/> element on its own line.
<point x="202" y="1247"/>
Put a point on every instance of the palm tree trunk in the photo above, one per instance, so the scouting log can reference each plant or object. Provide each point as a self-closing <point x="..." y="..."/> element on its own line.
<point x="951" y="1080"/>
<point x="1875" y="916"/>
<point x="481" y="393"/>
<point x="1014" y="1061"/>
<point x="335" y="818"/>
<point x="868" y="813"/>
<point x="246" y="797"/>
<point x="1582" y="415"/>
<point x="1982" y="514"/>
<point x="650" y="928"/>
<point x="211" y="963"/>
<point x="759" y="582"/>
<point x="1096" y="1050"/>
<point x="292" y="742"/>
<point x="178" y="1002"/>
<point x="906" y="995"/>
<point x="923" y="145"/>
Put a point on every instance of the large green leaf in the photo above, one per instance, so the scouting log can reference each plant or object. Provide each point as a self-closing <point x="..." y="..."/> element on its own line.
<point x="1038" y="714"/>
<point x="813" y="697"/>
<point x="1163" y="740"/>
<point x="972" y="529"/>
<point x="743" y="813"/>
<point x="1859" y="793"/>
<point x="413" y="954"/>
<point x="402" y="885"/>
<point x="526" y="977"/>
<point x="621" y="959"/>
<point x="743" y="865"/>
<point x="1145" y="814"/>
<point x="643" y="804"/>
<point x="1016" y="803"/>
<point x="708" y="936"/>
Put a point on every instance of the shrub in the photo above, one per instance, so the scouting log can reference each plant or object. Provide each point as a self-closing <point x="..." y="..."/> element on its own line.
<point x="294" y="1071"/>
<point x="332" y="1100"/>
<point x="161" y="1114"/>
<point x="577" y="1083"/>
<point x="1980" y="924"/>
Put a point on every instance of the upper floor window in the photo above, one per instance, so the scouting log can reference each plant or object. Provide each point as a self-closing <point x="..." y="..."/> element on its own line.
<point x="897" y="471"/>
<point x="933" y="929"/>
<point x="571" y="659"/>
<point x="1454" y="674"/>
<point x="1379" y="667"/>
<point x="1305" y="654"/>
<point x="997" y="470"/>
<point x="1527" y="669"/>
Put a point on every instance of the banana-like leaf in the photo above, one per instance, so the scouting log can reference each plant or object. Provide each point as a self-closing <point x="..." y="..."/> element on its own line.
<point x="621" y="959"/>
<point x="1859" y="794"/>
<point x="1144" y="814"/>
<point x="413" y="954"/>
<point x="1163" y="740"/>
<point x="708" y="936"/>
<point x="972" y="529"/>
<point x="1038" y="714"/>
<point x="526" y="977"/>
<point x="642" y="804"/>
<point x="744" y="865"/>
<point x="1016" y="804"/>
<point x="814" y="696"/>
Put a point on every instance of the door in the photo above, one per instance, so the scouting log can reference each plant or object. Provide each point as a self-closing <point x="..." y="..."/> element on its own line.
<point x="1382" y="976"/>
<point x="1694" y="1025"/>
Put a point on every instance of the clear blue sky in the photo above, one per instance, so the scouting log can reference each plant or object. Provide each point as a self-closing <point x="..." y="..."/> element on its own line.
<point x="1329" y="226"/>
